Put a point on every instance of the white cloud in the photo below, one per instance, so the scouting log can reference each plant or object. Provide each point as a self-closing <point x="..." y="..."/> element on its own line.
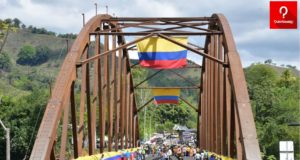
<point x="248" y="58"/>
<point x="42" y="15"/>
<point x="3" y="3"/>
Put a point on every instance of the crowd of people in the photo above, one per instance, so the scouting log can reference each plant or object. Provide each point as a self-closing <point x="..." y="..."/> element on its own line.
<point x="174" y="152"/>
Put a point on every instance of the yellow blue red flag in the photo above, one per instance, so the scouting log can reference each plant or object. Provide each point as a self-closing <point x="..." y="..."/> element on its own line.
<point x="165" y="96"/>
<point x="159" y="53"/>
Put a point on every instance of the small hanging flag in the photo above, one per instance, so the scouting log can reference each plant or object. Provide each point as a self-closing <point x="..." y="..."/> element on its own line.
<point x="159" y="53"/>
<point x="166" y="96"/>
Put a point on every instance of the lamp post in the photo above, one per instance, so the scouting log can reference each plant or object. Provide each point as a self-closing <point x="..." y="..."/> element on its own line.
<point x="7" y="130"/>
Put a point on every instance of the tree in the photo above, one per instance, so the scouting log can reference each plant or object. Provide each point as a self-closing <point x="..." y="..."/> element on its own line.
<point x="16" y="22"/>
<point x="23" y="26"/>
<point x="30" y="55"/>
<point x="5" y="62"/>
<point x="8" y="21"/>
<point x="167" y="127"/>
<point x="26" y="55"/>
<point x="20" y="115"/>
<point x="177" y="114"/>
<point x="290" y="66"/>
<point x="68" y="35"/>
<point x="5" y="28"/>
<point x="42" y="54"/>
<point x="258" y="73"/>
<point x="287" y="78"/>
<point x="268" y="61"/>
<point x="34" y="30"/>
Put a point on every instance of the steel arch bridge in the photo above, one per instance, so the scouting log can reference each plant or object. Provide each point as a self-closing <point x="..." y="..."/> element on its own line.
<point x="100" y="71"/>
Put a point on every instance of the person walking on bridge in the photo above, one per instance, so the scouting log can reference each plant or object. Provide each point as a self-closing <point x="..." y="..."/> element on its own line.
<point x="143" y="152"/>
<point x="184" y="150"/>
<point x="169" y="153"/>
<point x="191" y="153"/>
<point x="164" y="154"/>
<point x="198" y="155"/>
<point x="212" y="157"/>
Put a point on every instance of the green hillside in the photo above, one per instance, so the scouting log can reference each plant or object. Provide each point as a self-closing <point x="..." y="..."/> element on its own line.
<point x="43" y="72"/>
<point x="280" y="69"/>
<point x="17" y="39"/>
<point x="24" y="89"/>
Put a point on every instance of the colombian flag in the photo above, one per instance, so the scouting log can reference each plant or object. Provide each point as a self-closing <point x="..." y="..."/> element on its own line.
<point x="159" y="53"/>
<point x="116" y="157"/>
<point x="165" y="96"/>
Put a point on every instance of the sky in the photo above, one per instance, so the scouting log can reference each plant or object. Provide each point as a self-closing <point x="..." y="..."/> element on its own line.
<point x="249" y="21"/>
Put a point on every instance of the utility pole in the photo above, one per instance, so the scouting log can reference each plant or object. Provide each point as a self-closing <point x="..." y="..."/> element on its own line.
<point x="67" y="41"/>
<point x="106" y="9"/>
<point x="145" y="114"/>
<point x="96" y="8"/>
<point x="50" y="90"/>
<point x="83" y="20"/>
<point x="150" y="127"/>
<point x="7" y="130"/>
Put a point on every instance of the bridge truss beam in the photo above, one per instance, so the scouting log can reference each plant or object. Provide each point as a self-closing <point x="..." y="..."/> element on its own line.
<point x="96" y="91"/>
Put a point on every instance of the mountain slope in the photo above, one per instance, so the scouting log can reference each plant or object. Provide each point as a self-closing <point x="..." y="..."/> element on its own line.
<point x="12" y="81"/>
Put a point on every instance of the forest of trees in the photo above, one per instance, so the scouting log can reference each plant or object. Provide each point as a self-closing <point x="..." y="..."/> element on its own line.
<point x="275" y="103"/>
<point x="30" y="55"/>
